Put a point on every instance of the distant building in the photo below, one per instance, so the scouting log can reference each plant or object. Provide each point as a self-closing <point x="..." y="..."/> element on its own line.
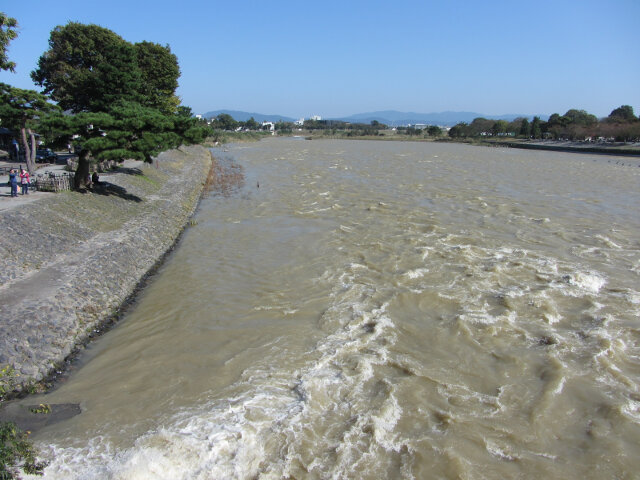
<point x="269" y="126"/>
<point x="317" y="118"/>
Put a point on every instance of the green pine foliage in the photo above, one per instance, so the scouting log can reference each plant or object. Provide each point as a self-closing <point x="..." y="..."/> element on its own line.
<point x="87" y="67"/>
<point x="17" y="453"/>
<point x="22" y="110"/>
<point x="8" y="31"/>
<point x="122" y="95"/>
<point x="160" y="73"/>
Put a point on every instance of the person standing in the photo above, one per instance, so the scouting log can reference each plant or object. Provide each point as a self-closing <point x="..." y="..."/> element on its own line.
<point x="13" y="182"/>
<point x="16" y="150"/>
<point x="24" y="181"/>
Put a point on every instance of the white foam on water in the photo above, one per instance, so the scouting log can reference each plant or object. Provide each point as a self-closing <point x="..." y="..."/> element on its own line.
<point x="226" y="442"/>
<point x="631" y="410"/>
<point x="478" y="316"/>
<point x="355" y="266"/>
<point x="608" y="242"/>
<point x="589" y="252"/>
<point x="385" y="423"/>
<point x="548" y="266"/>
<point x="552" y="318"/>
<point x="590" y="282"/>
<point x="499" y="451"/>
<point x="284" y="309"/>
<point x="417" y="273"/>
<point x="575" y="284"/>
<point x="233" y="438"/>
<point x="425" y="253"/>
<point x="91" y="462"/>
<point x="338" y="385"/>
<point x="311" y="212"/>
<point x="559" y="386"/>
<point x="475" y="401"/>
<point x="633" y="298"/>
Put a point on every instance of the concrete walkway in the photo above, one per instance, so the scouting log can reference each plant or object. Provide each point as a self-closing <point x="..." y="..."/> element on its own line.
<point x="7" y="202"/>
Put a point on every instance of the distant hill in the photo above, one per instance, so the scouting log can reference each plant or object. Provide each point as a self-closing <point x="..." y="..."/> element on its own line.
<point x="388" y="117"/>
<point x="244" y="116"/>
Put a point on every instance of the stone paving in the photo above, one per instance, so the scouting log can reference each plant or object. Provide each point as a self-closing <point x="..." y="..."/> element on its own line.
<point x="5" y="190"/>
<point x="69" y="260"/>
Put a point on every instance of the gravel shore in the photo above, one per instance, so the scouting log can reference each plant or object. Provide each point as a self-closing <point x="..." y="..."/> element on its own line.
<point x="69" y="260"/>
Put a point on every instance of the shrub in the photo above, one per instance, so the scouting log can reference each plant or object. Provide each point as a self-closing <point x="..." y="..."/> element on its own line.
<point x="17" y="453"/>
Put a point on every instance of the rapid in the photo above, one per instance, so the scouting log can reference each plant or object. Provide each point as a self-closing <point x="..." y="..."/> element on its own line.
<point x="368" y="310"/>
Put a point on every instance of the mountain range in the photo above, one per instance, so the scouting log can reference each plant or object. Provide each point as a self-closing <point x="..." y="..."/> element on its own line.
<point x="388" y="117"/>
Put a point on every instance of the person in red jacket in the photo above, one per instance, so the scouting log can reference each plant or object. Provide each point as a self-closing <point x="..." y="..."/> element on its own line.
<point x="24" y="181"/>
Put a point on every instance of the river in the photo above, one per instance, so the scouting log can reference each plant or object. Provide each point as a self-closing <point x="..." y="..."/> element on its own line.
<point x="369" y="310"/>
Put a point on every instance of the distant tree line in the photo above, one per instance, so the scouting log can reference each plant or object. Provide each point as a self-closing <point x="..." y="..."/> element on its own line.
<point x="111" y="99"/>
<point x="621" y="125"/>
<point x="226" y="122"/>
<point x="415" y="131"/>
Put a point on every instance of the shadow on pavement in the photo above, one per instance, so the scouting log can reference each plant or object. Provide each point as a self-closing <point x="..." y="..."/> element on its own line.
<point x="108" y="189"/>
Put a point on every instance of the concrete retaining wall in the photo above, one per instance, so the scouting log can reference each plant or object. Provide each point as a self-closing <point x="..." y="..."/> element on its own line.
<point x="69" y="260"/>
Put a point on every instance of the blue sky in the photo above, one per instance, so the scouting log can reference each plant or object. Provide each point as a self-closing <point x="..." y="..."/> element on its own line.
<point x="336" y="58"/>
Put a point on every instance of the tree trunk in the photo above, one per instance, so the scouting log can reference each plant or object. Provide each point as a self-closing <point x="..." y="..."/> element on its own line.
<point x="28" y="151"/>
<point x="31" y="160"/>
<point x="82" y="178"/>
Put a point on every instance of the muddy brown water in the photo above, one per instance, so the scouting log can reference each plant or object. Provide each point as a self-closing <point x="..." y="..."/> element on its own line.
<point x="378" y="310"/>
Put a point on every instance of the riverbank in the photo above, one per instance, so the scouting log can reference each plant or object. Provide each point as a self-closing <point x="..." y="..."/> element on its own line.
<point x="69" y="261"/>
<point x="621" y="149"/>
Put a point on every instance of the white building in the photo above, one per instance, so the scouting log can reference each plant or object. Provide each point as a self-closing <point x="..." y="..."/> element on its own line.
<point x="313" y="117"/>
<point x="271" y="125"/>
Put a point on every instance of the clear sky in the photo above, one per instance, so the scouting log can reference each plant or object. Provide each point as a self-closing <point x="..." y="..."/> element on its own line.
<point x="337" y="58"/>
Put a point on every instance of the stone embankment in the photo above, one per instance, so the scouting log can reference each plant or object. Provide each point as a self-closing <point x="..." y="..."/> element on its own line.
<point x="68" y="261"/>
